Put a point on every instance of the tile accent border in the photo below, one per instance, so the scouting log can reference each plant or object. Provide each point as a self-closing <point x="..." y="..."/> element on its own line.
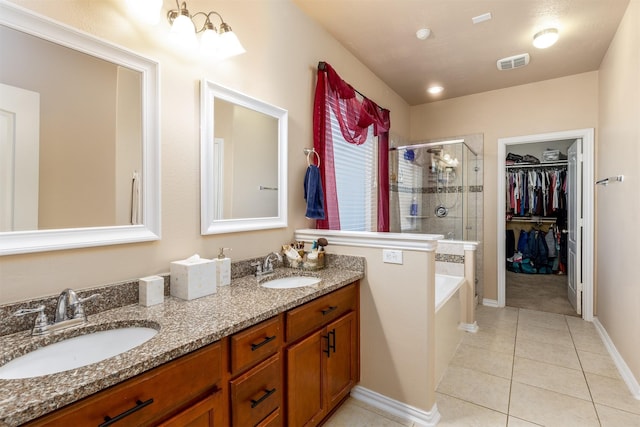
<point x="394" y="407"/>
<point x="456" y="259"/>
<point x="623" y="368"/>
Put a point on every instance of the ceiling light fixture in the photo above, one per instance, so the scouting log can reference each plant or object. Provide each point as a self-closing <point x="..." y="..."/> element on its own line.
<point x="215" y="43"/>
<point x="423" y="33"/>
<point x="545" y="38"/>
<point x="481" y="18"/>
<point x="434" y="90"/>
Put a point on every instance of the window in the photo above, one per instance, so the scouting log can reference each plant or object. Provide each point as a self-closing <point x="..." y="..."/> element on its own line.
<point x="356" y="180"/>
<point x="351" y="135"/>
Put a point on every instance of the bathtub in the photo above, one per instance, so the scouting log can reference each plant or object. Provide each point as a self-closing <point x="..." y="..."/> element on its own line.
<point x="447" y="320"/>
<point x="446" y="287"/>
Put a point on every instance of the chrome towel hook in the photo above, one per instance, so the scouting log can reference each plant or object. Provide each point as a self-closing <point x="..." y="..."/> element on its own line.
<point x="611" y="179"/>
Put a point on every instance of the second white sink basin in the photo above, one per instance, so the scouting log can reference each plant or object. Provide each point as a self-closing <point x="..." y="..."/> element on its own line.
<point x="76" y="352"/>
<point x="291" y="282"/>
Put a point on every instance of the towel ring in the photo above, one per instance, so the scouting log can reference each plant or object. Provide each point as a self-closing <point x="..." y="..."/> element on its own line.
<point x="310" y="151"/>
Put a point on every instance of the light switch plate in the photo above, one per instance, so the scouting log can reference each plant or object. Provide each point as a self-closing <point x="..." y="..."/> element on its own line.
<point x="392" y="256"/>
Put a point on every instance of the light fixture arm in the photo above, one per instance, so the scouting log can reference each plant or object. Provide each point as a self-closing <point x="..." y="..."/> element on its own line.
<point x="181" y="9"/>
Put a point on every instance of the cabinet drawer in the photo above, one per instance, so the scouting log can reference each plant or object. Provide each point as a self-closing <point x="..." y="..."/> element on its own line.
<point x="319" y="312"/>
<point x="255" y="344"/>
<point x="273" y="420"/>
<point x="257" y="393"/>
<point x="148" y="396"/>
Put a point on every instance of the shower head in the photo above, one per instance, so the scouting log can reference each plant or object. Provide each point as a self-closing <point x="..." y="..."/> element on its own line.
<point x="435" y="150"/>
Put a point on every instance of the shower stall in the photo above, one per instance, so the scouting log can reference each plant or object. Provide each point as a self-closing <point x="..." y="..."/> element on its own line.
<point x="434" y="189"/>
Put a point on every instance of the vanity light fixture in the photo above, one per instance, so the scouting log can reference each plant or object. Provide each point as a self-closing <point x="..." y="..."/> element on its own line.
<point x="545" y="38"/>
<point x="218" y="43"/>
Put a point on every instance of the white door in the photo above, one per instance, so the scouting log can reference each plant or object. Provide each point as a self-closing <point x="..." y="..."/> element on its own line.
<point x="19" y="158"/>
<point x="574" y="226"/>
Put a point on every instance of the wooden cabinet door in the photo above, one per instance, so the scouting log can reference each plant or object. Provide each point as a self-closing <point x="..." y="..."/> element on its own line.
<point x="305" y="405"/>
<point x="341" y="365"/>
<point x="202" y="414"/>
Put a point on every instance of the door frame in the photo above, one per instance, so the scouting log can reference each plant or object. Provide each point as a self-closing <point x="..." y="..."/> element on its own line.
<point x="588" y="247"/>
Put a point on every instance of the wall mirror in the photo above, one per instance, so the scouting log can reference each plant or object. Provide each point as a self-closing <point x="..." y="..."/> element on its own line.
<point x="243" y="162"/>
<point x="79" y="143"/>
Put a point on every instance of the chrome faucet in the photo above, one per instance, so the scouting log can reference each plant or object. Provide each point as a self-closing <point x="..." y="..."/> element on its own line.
<point x="68" y="300"/>
<point x="69" y="312"/>
<point x="266" y="267"/>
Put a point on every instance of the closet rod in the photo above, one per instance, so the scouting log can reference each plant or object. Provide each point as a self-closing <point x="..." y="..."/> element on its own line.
<point x="537" y="165"/>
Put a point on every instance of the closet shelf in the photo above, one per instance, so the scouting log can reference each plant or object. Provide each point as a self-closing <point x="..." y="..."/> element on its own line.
<point x="536" y="219"/>
<point x="537" y="165"/>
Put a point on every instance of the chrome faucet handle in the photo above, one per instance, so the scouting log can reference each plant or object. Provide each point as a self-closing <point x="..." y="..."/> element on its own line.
<point x="268" y="263"/>
<point x="40" y="326"/>
<point x="258" y="266"/>
<point x="78" y="308"/>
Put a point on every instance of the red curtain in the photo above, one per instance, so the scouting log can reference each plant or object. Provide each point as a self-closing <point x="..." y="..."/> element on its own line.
<point x="354" y="117"/>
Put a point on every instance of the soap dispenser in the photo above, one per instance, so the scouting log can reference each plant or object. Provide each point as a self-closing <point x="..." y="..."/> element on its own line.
<point x="223" y="268"/>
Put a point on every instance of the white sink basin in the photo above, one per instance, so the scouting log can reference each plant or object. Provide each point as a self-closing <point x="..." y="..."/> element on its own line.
<point x="76" y="352"/>
<point x="291" y="282"/>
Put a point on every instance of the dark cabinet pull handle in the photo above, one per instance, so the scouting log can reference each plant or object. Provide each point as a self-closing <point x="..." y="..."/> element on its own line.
<point x="266" y="394"/>
<point x="139" y="405"/>
<point x="328" y="350"/>
<point x="267" y="340"/>
<point x="329" y="310"/>
<point x="332" y="333"/>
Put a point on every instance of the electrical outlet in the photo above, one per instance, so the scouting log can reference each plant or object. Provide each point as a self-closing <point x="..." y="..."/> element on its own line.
<point x="391" y="256"/>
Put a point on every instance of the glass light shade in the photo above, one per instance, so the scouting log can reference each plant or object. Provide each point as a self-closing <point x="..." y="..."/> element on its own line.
<point x="209" y="43"/>
<point x="184" y="32"/>
<point x="434" y="90"/>
<point x="230" y="45"/>
<point x="545" y="38"/>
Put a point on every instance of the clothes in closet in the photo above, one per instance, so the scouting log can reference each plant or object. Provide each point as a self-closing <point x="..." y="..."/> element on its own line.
<point x="538" y="191"/>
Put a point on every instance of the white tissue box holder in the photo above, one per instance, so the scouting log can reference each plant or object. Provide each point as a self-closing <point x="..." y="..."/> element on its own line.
<point x="193" y="279"/>
<point x="151" y="290"/>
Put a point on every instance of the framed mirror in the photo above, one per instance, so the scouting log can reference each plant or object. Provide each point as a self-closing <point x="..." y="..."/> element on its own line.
<point x="79" y="138"/>
<point x="243" y="162"/>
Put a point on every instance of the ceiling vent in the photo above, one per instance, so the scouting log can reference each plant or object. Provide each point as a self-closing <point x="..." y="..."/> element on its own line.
<point x="512" y="62"/>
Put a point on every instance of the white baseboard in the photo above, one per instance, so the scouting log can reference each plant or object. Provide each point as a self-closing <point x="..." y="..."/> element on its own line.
<point x="623" y="369"/>
<point x="394" y="407"/>
<point x="490" y="302"/>
<point x="469" y="327"/>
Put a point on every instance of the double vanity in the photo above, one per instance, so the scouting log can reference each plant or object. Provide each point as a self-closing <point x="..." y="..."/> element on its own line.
<point x="247" y="355"/>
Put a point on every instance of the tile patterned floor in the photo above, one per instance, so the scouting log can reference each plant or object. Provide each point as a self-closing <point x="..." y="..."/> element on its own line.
<point x="522" y="368"/>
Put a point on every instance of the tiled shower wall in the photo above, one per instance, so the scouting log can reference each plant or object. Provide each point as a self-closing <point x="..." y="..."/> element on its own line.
<point x="464" y="199"/>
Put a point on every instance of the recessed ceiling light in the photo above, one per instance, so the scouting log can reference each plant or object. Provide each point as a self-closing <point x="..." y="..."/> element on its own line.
<point x="434" y="90"/>
<point x="545" y="38"/>
<point x="423" y="33"/>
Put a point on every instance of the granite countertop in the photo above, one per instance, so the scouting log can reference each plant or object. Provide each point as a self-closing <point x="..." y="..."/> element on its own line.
<point x="184" y="326"/>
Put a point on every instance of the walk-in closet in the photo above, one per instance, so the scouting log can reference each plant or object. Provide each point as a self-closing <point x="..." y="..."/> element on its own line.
<point x="538" y="182"/>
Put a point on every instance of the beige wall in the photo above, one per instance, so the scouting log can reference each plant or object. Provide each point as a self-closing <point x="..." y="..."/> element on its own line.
<point x="397" y="326"/>
<point x="283" y="49"/>
<point x="618" y="206"/>
<point x="552" y="105"/>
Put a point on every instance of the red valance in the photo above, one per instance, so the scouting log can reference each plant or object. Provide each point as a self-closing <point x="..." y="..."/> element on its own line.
<point x="355" y="117"/>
